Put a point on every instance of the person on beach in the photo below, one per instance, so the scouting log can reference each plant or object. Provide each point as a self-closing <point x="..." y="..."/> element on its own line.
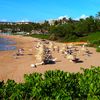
<point x="20" y="51"/>
<point x="58" y="49"/>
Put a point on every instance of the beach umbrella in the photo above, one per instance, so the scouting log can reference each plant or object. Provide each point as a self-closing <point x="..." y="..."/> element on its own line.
<point x="40" y="52"/>
<point x="70" y="45"/>
<point x="70" y="57"/>
<point x="83" y="48"/>
<point x="63" y="49"/>
<point x="43" y="54"/>
<point x="51" y="46"/>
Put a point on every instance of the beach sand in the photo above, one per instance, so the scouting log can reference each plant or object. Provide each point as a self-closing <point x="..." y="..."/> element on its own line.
<point x="14" y="67"/>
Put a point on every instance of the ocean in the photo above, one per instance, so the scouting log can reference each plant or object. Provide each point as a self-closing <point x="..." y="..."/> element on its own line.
<point x="7" y="44"/>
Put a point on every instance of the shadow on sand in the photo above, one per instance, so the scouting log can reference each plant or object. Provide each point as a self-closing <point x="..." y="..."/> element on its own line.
<point x="77" y="60"/>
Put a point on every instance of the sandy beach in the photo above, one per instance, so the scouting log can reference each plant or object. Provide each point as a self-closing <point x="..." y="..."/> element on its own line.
<point x="12" y="67"/>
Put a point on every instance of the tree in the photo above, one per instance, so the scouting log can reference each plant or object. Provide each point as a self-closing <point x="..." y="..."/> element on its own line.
<point x="81" y="28"/>
<point x="98" y="15"/>
<point x="90" y="21"/>
<point x="62" y="32"/>
<point x="97" y="21"/>
<point x="70" y="20"/>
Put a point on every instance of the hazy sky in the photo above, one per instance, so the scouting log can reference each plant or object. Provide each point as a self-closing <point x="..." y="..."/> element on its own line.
<point x="39" y="10"/>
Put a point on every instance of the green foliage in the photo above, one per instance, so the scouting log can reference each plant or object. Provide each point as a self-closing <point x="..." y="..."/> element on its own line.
<point x="93" y="39"/>
<point x="60" y="85"/>
<point x="89" y="83"/>
<point x="1" y="89"/>
<point x="95" y="36"/>
<point x="98" y="49"/>
<point x="81" y="28"/>
<point x="95" y="43"/>
<point x="33" y="85"/>
<point x="61" y="30"/>
<point x="54" y="85"/>
<point x="76" y="30"/>
<point x="64" y="32"/>
<point x="9" y="88"/>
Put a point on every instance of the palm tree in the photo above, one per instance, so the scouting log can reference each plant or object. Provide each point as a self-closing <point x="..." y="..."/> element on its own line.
<point x="98" y="15"/>
<point x="70" y="20"/>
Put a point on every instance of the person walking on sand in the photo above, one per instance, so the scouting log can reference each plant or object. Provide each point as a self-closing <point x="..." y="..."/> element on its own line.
<point x="58" y="49"/>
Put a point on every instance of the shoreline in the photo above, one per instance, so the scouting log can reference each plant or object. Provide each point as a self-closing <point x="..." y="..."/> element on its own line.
<point x="15" y="68"/>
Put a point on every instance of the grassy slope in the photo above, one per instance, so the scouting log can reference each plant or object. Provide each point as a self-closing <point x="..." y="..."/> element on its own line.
<point x="90" y="37"/>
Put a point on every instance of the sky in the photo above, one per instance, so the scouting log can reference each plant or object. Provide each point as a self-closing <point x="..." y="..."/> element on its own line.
<point x="40" y="10"/>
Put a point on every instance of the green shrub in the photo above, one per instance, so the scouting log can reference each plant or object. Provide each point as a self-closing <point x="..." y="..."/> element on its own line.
<point x="98" y="49"/>
<point x="54" y="85"/>
<point x="94" y="43"/>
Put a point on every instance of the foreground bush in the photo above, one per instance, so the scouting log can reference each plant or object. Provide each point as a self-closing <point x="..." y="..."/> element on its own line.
<point x="54" y="85"/>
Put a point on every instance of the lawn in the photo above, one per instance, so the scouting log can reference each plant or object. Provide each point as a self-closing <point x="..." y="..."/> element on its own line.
<point x="91" y="37"/>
